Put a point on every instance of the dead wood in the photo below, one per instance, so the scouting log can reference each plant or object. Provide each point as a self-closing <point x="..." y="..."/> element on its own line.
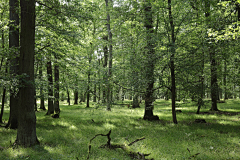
<point x="124" y="147"/>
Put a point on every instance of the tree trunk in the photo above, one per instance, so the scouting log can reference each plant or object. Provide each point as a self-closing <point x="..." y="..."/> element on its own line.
<point x="214" y="86"/>
<point x="50" y="89"/>
<point x="4" y="89"/>
<point x="109" y="95"/>
<point x="14" y="69"/>
<point x="76" y="97"/>
<point x="95" y="90"/>
<point x="68" y="99"/>
<point x="88" y="82"/>
<point x="135" y="101"/>
<point x="150" y="61"/>
<point x="26" y="133"/>
<point x="225" y="80"/>
<point x="213" y="64"/>
<point x="42" y="105"/>
<point x="172" y="65"/>
<point x="99" y="85"/>
<point x="35" y="99"/>
<point x="105" y="51"/>
<point x="56" y="88"/>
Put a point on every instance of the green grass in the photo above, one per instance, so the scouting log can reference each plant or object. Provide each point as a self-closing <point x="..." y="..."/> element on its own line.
<point x="67" y="137"/>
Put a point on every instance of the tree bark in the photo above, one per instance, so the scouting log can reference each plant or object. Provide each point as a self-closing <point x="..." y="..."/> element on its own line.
<point x="150" y="61"/>
<point x="50" y="89"/>
<point x="26" y="133"/>
<point x="105" y="51"/>
<point x="68" y="99"/>
<point x="3" y="102"/>
<point x="14" y="62"/>
<point x="42" y="105"/>
<point x="89" y="77"/>
<point x="213" y="64"/>
<point x="56" y="88"/>
<point x="135" y="101"/>
<point x="76" y="97"/>
<point x="95" y="90"/>
<point x="172" y="61"/>
<point x="109" y="95"/>
<point x="4" y="89"/>
<point x="225" y="80"/>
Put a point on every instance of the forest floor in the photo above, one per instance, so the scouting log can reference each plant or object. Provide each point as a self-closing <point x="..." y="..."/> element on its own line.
<point x="67" y="137"/>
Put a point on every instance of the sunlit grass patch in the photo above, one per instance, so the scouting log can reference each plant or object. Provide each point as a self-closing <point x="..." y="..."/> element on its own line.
<point x="68" y="136"/>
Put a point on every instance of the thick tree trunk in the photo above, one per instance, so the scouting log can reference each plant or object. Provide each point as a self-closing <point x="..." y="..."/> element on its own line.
<point x="14" y="69"/>
<point x="26" y="133"/>
<point x="150" y="62"/>
<point x="50" y="89"/>
<point x="56" y="89"/>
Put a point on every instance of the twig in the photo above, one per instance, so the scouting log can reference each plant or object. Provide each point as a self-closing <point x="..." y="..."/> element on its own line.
<point x="139" y="139"/>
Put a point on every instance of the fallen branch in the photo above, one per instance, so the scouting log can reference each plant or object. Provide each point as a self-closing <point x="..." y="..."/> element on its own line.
<point x="124" y="147"/>
<point x="89" y="145"/>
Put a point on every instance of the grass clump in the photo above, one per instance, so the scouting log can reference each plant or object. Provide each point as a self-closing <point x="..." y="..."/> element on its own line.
<point x="68" y="136"/>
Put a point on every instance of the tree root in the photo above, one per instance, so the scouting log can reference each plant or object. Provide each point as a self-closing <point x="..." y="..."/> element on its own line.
<point x="124" y="147"/>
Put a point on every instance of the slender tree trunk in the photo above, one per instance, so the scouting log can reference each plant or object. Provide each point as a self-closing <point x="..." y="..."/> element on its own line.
<point x="214" y="86"/>
<point x="4" y="88"/>
<point x="172" y="59"/>
<point x="68" y="99"/>
<point x="135" y="103"/>
<point x="42" y="105"/>
<point x="95" y="90"/>
<point x="26" y="133"/>
<point x="89" y="77"/>
<point x="213" y="64"/>
<point x="76" y="97"/>
<point x="3" y="102"/>
<point x="14" y="67"/>
<point x="225" y="80"/>
<point x="99" y="85"/>
<point x="50" y="89"/>
<point x="109" y="95"/>
<point x="56" y="88"/>
<point x="105" y="51"/>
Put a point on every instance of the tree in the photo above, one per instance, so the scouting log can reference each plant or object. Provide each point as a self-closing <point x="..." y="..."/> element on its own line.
<point x="50" y="89"/>
<point x="150" y="60"/>
<point x="213" y="63"/>
<point x="56" y="88"/>
<point x="172" y="65"/>
<point x="14" y="69"/>
<point x="26" y="133"/>
<point x="109" y="95"/>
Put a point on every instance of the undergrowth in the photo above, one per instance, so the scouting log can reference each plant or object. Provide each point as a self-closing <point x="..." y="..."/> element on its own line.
<point x="67" y="138"/>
